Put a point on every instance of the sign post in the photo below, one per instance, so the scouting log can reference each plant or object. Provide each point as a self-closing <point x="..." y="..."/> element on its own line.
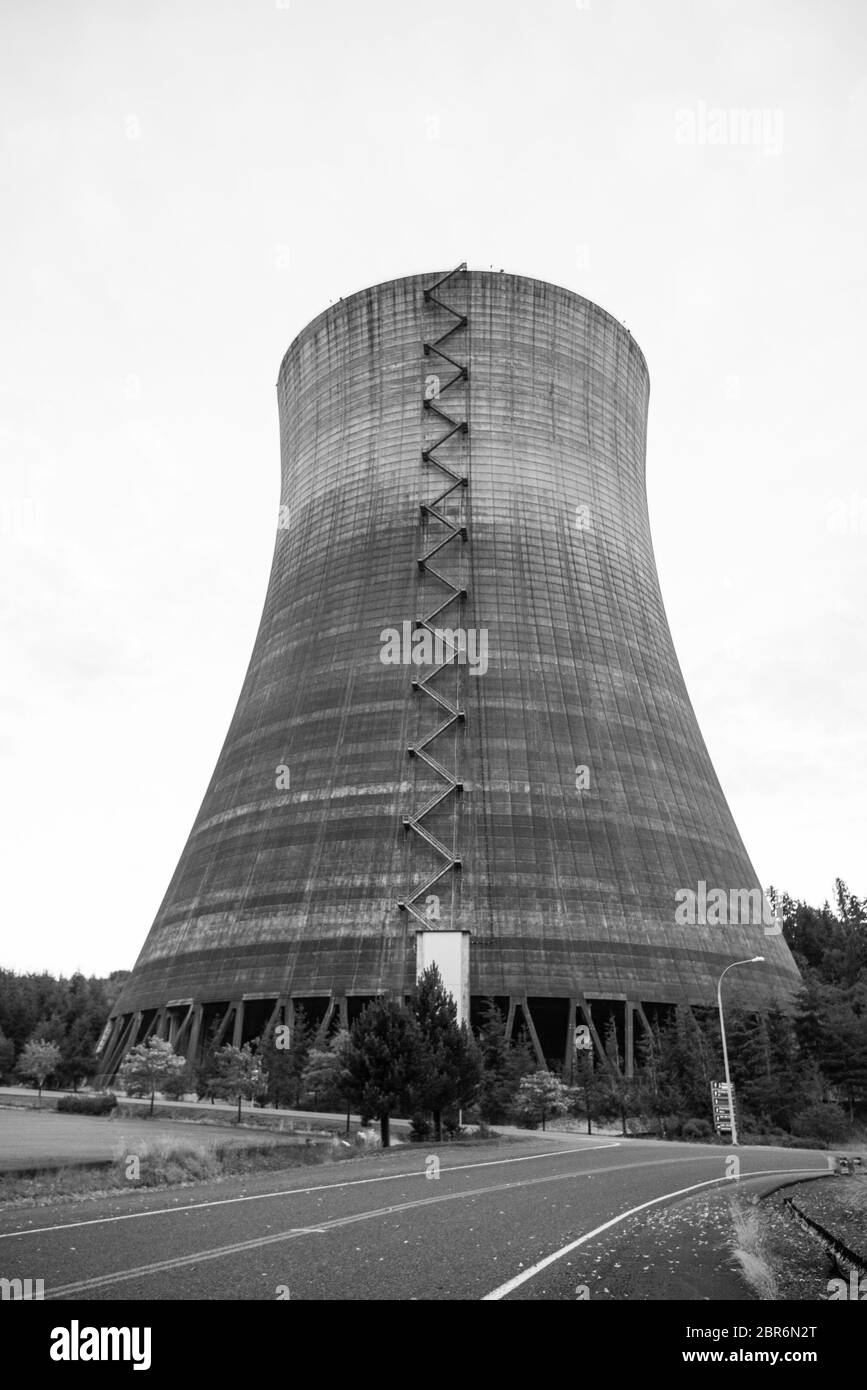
<point x="723" y="1100"/>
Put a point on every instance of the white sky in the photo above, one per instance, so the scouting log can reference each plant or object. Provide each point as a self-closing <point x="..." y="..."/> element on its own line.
<point x="187" y="182"/>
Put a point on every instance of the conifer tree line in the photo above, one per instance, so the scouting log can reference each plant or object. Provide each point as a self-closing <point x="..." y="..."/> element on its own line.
<point x="66" y="1014"/>
<point x="798" y="1072"/>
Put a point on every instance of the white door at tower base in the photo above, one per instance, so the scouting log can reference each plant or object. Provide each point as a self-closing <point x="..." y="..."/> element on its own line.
<point x="449" y="951"/>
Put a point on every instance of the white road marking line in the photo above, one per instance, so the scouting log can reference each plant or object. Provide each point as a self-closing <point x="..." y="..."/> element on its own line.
<point x="535" y="1269"/>
<point x="335" y="1223"/>
<point x="298" y="1191"/>
<point x="257" y="1242"/>
<point x="240" y="1247"/>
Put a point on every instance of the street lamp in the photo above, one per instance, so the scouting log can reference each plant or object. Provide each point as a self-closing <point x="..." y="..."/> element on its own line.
<point x="722" y="1028"/>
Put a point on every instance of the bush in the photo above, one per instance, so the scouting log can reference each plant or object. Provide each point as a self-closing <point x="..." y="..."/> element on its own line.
<point x="484" y="1131"/>
<point x="452" y="1129"/>
<point x="697" y="1129"/>
<point x="639" y="1125"/>
<point x="541" y="1096"/>
<point x="165" y="1161"/>
<point x="87" y="1105"/>
<point x="419" y="1128"/>
<point x="177" y="1086"/>
<point x="821" y="1121"/>
<point x="135" y="1088"/>
<point x="671" y="1126"/>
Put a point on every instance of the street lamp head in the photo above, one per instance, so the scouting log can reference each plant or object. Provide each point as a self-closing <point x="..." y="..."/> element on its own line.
<point x="758" y="958"/>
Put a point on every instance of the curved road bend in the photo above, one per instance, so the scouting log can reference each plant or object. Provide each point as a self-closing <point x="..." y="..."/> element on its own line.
<point x="369" y="1228"/>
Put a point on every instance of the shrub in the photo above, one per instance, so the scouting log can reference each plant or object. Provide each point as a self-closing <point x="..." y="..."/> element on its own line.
<point x="87" y="1105"/>
<point x="176" y="1086"/>
<point x="821" y="1121"/>
<point x="419" y="1128"/>
<point x="541" y="1096"/>
<point x="697" y="1129"/>
<point x="671" y="1126"/>
<point x="165" y="1161"/>
<point x="639" y="1124"/>
<point x="452" y="1128"/>
<point x="748" y="1247"/>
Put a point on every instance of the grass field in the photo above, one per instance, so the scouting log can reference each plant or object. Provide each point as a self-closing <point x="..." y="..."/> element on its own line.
<point x="44" y="1139"/>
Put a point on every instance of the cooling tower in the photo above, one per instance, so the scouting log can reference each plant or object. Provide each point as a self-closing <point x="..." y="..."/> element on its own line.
<point x="463" y="728"/>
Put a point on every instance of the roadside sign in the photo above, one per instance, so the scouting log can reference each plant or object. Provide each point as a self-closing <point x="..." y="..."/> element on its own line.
<point x="722" y="1100"/>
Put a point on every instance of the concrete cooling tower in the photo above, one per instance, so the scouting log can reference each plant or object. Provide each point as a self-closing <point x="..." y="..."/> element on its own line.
<point x="463" y="735"/>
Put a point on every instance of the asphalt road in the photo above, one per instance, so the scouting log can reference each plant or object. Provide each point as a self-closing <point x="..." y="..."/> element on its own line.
<point x="377" y="1227"/>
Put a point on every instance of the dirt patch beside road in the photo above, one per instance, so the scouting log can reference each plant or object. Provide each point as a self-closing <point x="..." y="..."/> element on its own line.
<point x="802" y="1266"/>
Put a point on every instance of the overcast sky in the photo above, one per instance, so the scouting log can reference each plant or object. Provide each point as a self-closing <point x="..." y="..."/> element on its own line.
<point x="188" y="182"/>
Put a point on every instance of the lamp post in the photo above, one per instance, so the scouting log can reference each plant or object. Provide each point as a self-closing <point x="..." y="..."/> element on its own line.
<point x="722" y="1028"/>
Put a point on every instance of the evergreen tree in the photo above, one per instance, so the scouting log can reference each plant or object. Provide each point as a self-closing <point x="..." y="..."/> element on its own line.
<point x="503" y="1065"/>
<point x="832" y="1026"/>
<point x="449" y="1059"/>
<point x="324" y="1078"/>
<point x="384" y="1061"/>
<point x="284" y="1050"/>
<point x="612" y="1092"/>
<point x="78" y="1058"/>
<point x="302" y="1039"/>
<point x="598" y="1094"/>
<point x="7" y="1058"/>
<point x="658" y="1093"/>
<point x="205" y="1074"/>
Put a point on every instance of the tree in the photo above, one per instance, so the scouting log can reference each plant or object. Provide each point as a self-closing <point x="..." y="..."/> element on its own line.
<point x="767" y="1069"/>
<point x="614" y="1093"/>
<point x="299" y="1050"/>
<point x="821" y="1121"/>
<point x="657" y="1092"/>
<point x="540" y="1094"/>
<point x="832" y="1026"/>
<point x="592" y="1096"/>
<point x="383" y="1061"/>
<point x="26" y="1001"/>
<point x="284" y="1050"/>
<point x="324" y="1077"/>
<point x="239" y="1074"/>
<point x="503" y="1065"/>
<point x="831" y="947"/>
<point x="38" y="1061"/>
<point x="176" y="1084"/>
<point x="78" y="1058"/>
<point x="145" y="1068"/>
<point x="7" y="1057"/>
<point x="50" y="1029"/>
<point x="206" y="1073"/>
<point x="449" y="1059"/>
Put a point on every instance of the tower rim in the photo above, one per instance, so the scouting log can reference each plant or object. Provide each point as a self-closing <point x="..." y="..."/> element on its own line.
<point x="498" y="275"/>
